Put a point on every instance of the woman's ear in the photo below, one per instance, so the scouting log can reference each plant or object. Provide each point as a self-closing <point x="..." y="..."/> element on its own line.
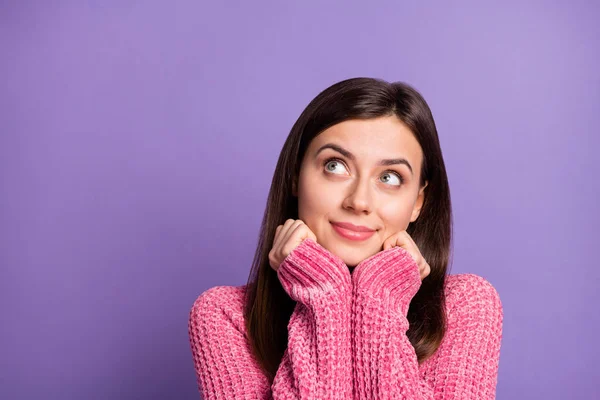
<point x="418" y="203"/>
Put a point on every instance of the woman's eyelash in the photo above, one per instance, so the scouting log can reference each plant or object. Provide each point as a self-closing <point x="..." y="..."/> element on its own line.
<point x="327" y="161"/>
<point x="400" y="178"/>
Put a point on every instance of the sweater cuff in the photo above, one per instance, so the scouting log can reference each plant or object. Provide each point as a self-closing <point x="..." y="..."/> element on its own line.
<point x="391" y="275"/>
<point x="311" y="269"/>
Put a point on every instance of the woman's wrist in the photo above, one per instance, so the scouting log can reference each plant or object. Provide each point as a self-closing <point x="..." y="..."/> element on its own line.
<point x="390" y="275"/>
<point x="312" y="267"/>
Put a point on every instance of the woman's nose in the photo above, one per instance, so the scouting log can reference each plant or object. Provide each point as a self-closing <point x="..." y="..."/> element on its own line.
<point x="359" y="199"/>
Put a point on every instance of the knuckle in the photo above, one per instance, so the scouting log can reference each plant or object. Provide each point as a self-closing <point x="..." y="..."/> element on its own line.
<point x="287" y="249"/>
<point x="273" y="260"/>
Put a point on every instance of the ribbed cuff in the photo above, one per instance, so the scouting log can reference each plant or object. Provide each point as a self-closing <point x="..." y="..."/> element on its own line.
<point x="391" y="275"/>
<point x="312" y="269"/>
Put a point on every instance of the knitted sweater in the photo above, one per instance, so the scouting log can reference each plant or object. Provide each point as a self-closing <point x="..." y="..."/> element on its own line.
<point x="347" y="334"/>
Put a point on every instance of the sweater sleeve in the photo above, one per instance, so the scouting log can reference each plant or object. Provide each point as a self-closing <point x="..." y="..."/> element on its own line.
<point x="465" y="366"/>
<point x="317" y="361"/>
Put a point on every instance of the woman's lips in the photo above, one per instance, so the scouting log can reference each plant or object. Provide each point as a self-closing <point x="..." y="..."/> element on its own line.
<point x="352" y="235"/>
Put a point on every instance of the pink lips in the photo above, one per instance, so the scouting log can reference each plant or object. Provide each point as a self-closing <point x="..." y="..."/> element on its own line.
<point x="351" y="231"/>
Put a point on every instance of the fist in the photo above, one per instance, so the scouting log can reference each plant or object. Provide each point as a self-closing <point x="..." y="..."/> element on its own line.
<point x="287" y="237"/>
<point x="403" y="239"/>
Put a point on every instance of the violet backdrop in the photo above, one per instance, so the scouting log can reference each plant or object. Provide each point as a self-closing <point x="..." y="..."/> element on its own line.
<point x="138" y="140"/>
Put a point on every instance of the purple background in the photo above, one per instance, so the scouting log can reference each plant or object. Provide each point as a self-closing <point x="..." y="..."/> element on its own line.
<point x="138" y="141"/>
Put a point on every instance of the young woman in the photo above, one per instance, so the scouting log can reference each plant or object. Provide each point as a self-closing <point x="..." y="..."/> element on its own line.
<point x="349" y="295"/>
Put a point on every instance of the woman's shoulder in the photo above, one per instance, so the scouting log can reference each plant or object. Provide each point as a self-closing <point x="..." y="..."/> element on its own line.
<point x="221" y="294"/>
<point x="219" y="303"/>
<point x="471" y="293"/>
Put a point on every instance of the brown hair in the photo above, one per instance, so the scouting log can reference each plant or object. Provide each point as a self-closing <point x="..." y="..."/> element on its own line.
<point x="268" y="307"/>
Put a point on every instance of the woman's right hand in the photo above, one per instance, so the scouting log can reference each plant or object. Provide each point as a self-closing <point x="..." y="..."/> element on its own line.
<point x="287" y="237"/>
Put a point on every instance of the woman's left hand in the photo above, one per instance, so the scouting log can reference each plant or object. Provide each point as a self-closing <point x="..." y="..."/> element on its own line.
<point x="403" y="239"/>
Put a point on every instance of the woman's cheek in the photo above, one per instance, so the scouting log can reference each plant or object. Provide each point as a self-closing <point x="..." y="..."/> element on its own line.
<point x="396" y="218"/>
<point x="312" y="203"/>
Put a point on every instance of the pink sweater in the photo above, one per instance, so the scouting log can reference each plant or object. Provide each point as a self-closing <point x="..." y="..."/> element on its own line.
<point x="347" y="334"/>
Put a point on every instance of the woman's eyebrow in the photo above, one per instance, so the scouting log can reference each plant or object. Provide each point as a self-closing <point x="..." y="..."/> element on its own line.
<point x="346" y="153"/>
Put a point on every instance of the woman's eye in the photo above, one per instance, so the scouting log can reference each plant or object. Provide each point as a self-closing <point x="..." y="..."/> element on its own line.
<point x="391" y="177"/>
<point x="331" y="164"/>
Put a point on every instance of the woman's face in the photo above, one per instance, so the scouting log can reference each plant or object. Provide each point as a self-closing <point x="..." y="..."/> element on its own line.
<point x="342" y="180"/>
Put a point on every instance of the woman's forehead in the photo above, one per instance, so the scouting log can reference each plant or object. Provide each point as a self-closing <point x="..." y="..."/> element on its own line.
<point x="380" y="138"/>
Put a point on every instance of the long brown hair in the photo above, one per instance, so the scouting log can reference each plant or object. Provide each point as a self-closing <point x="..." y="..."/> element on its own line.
<point x="268" y="307"/>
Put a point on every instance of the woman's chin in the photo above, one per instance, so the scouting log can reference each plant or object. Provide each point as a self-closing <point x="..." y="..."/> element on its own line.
<point x="354" y="259"/>
<point x="351" y="260"/>
<point x="351" y="256"/>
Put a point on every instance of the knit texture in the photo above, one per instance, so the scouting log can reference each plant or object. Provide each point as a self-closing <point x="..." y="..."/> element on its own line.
<point x="347" y="334"/>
